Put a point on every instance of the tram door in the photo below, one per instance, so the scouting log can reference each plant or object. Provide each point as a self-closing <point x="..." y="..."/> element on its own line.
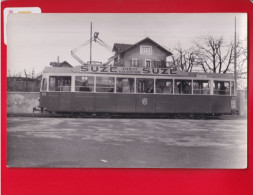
<point x="61" y="93"/>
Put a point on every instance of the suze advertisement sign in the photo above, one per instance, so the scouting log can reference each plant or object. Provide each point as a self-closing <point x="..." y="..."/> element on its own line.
<point x="127" y="70"/>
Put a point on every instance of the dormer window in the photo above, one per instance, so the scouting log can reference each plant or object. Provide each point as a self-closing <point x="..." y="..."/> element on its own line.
<point x="146" y="50"/>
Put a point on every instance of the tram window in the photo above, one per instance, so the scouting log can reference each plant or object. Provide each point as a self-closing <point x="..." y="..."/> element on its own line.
<point x="84" y="83"/>
<point x="44" y="84"/>
<point x="183" y="87"/>
<point x="105" y="84"/>
<point x="164" y="86"/>
<point x="221" y="88"/>
<point x="60" y="83"/>
<point x="144" y="85"/>
<point x="125" y="85"/>
<point x="232" y="88"/>
<point x="201" y="87"/>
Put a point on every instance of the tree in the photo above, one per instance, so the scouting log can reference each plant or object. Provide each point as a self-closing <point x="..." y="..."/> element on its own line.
<point x="183" y="59"/>
<point x="213" y="54"/>
<point x="241" y="64"/>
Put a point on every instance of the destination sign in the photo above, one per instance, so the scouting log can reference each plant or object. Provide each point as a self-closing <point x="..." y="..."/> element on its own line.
<point x="127" y="70"/>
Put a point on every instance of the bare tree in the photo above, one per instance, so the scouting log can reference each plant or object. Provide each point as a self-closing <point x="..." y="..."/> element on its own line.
<point x="183" y="59"/>
<point x="26" y="79"/>
<point x="9" y="73"/>
<point x="19" y="75"/>
<point x="13" y="74"/>
<point x="241" y="56"/>
<point x="32" y="73"/>
<point x="213" y="54"/>
<point x="241" y="64"/>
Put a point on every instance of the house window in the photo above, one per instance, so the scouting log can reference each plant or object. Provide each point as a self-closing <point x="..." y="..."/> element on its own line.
<point x="134" y="63"/>
<point x="148" y="63"/>
<point x="146" y="50"/>
<point x="157" y="63"/>
<point x="163" y="64"/>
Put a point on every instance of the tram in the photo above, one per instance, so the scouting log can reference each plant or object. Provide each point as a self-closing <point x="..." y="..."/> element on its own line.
<point x="109" y="89"/>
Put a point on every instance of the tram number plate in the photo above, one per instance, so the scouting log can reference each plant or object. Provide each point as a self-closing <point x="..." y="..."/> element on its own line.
<point x="44" y="94"/>
<point x="144" y="101"/>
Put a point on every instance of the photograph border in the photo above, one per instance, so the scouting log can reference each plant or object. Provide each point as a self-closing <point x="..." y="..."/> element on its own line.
<point x="127" y="181"/>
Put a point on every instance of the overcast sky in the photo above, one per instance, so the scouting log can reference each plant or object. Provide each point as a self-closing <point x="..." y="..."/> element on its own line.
<point x="34" y="40"/>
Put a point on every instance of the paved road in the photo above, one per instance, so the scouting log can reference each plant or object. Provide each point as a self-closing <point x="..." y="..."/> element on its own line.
<point x="151" y="143"/>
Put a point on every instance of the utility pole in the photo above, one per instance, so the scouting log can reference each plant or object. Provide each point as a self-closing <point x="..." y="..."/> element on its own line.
<point x="90" y="42"/>
<point x="235" y="56"/>
<point x="238" y="105"/>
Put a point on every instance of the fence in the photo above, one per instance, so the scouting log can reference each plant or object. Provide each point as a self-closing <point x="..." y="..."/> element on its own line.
<point x="22" y="84"/>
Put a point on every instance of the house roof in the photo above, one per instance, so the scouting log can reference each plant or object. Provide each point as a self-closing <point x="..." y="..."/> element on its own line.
<point x="126" y="47"/>
<point x="121" y="47"/>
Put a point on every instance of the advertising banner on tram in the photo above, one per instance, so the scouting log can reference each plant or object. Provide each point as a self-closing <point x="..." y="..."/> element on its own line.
<point x="127" y="70"/>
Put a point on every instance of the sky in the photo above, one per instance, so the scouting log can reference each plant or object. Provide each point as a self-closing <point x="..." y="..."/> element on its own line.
<point x="35" y="40"/>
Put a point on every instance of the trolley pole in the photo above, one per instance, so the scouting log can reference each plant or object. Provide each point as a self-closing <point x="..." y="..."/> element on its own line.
<point x="235" y="56"/>
<point x="90" y="42"/>
<point x="235" y="74"/>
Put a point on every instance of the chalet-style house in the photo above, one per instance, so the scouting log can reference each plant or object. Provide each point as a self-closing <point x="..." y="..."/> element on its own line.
<point x="145" y="53"/>
<point x="61" y="64"/>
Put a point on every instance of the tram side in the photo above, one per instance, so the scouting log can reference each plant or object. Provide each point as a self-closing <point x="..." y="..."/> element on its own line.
<point x="115" y="103"/>
<point x="79" y="93"/>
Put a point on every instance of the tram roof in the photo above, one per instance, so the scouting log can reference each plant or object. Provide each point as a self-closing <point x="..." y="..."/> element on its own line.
<point x="77" y="69"/>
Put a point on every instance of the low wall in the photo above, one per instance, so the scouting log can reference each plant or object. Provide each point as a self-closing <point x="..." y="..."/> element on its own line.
<point x="21" y="102"/>
<point x="242" y="102"/>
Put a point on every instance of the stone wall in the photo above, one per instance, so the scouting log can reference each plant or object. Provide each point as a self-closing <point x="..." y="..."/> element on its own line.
<point x="21" y="102"/>
<point x="242" y="102"/>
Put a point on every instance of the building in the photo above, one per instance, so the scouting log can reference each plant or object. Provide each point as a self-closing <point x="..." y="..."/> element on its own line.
<point x="60" y="64"/>
<point x="145" y="53"/>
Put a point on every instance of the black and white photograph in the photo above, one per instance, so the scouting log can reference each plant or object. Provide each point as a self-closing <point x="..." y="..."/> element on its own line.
<point x="127" y="90"/>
